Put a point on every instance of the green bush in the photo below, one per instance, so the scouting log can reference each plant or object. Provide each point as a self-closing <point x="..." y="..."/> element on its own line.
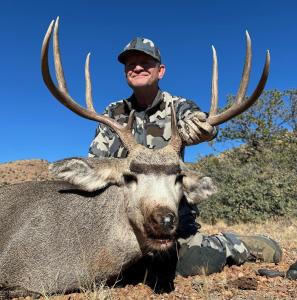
<point x="255" y="184"/>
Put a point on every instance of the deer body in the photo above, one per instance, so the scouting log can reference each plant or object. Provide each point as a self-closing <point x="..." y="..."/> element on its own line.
<point x="62" y="236"/>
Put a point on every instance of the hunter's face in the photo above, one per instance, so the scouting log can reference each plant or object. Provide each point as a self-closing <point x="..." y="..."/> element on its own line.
<point x="142" y="70"/>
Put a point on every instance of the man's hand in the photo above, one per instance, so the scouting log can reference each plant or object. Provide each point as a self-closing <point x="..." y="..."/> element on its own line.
<point x="195" y="129"/>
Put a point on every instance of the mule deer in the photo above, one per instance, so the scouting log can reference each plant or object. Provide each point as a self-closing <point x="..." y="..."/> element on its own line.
<point x="107" y="213"/>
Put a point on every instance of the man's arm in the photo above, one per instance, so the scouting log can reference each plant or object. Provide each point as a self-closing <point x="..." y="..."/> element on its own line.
<point x="192" y="124"/>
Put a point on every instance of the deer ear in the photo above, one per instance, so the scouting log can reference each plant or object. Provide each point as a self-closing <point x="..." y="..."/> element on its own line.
<point x="197" y="188"/>
<point x="81" y="173"/>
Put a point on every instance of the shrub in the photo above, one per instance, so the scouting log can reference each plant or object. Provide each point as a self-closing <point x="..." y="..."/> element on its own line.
<point x="254" y="184"/>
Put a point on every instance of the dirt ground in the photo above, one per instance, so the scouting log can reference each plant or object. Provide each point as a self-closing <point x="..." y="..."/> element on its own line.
<point x="235" y="282"/>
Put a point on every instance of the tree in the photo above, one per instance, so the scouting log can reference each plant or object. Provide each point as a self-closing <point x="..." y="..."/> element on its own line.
<point x="267" y="118"/>
<point x="292" y="110"/>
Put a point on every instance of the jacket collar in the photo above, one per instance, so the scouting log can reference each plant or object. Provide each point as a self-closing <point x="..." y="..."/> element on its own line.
<point x="131" y="102"/>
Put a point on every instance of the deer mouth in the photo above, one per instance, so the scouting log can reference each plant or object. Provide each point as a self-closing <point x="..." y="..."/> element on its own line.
<point x="161" y="243"/>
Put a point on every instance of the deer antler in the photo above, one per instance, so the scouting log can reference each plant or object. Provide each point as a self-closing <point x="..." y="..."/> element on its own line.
<point x="61" y="92"/>
<point x="240" y="105"/>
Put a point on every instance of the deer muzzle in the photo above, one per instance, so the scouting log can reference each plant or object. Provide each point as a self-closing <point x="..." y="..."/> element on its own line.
<point x="160" y="227"/>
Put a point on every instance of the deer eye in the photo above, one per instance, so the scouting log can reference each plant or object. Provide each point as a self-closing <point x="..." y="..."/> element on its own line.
<point x="129" y="178"/>
<point x="179" y="178"/>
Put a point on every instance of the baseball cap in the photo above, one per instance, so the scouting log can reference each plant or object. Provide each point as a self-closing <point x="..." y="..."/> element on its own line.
<point x="141" y="45"/>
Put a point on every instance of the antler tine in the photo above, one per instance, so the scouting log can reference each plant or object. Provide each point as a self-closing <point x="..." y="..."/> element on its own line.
<point x="240" y="106"/>
<point x="214" y="85"/>
<point x="130" y="120"/>
<point x="57" y="61"/>
<point x="246" y="70"/>
<point x="89" y="98"/>
<point x="175" y="140"/>
<point x="62" y="95"/>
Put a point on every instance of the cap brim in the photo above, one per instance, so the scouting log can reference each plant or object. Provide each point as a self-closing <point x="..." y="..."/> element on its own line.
<point x="122" y="56"/>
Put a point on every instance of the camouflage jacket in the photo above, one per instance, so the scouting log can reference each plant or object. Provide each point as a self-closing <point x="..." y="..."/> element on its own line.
<point x="151" y="128"/>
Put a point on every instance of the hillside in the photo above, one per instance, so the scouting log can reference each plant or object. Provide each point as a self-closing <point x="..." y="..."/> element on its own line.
<point x="24" y="170"/>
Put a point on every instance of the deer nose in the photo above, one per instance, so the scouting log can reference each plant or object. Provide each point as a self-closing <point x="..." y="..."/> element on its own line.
<point x="168" y="220"/>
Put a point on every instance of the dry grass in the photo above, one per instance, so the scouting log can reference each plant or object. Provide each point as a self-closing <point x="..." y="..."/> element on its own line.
<point x="100" y="292"/>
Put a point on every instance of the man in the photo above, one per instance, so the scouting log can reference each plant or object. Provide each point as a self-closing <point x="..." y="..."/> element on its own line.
<point x="152" y="128"/>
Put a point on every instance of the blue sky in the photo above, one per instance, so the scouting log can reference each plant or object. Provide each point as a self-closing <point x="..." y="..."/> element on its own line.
<point x="34" y="125"/>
